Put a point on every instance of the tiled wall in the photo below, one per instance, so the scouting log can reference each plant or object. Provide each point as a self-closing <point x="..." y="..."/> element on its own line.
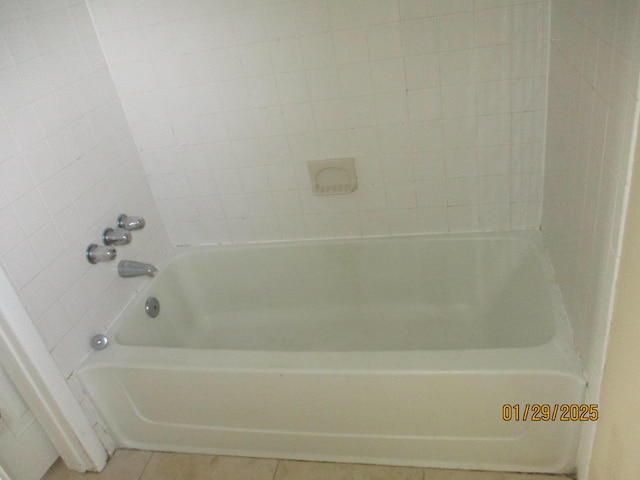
<point x="593" y="99"/>
<point x="593" y="86"/>
<point x="68" y="167"/>
<point x="441" y="102"/>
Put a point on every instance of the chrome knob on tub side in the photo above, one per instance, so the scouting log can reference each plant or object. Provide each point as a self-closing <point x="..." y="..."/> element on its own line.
<point x="131" y="268"/>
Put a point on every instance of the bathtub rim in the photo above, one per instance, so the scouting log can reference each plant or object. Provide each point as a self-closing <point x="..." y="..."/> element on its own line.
<point x="533" y="237"/>
<point x="549" y="358"/>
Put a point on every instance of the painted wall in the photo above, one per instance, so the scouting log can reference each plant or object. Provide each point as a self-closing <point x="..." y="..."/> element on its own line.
<point x="441" y="102"/>
<point x="592" y="110"/>
<point x="618" y="430"/>
<point x="68" y="167"/>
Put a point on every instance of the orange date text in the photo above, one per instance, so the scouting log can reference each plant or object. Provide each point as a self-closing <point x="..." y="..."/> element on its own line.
<point x="545" y="412"/>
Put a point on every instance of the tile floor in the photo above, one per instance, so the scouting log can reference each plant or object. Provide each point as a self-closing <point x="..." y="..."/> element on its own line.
<point x="139" y="465"/>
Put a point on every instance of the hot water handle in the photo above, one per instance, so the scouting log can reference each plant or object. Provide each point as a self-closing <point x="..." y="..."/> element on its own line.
<point x="129" y="222"/>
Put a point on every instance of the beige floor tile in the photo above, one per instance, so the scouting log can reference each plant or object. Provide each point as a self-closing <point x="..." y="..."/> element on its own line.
<point x="237" y="468"/>
<point x="438" y="474"/>
<point x="138" y="465"/>
<point x="124" y="465"/>
<point x="529" y="476"/>
<point x="57" y="471"/>
<point x="294" y="470"/>
<point x="183" y="466"/>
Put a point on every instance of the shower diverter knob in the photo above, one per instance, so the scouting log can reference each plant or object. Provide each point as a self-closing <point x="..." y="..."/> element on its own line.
<point x="117" y="236"/>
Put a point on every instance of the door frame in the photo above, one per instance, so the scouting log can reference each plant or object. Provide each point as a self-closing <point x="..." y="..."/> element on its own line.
<point x="3" y="475"/>
<point x="32" y="369"/>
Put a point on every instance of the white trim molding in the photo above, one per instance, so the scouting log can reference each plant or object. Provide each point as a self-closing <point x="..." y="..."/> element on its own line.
<point x="34" y="372"/>
<point x="3" y="475"/>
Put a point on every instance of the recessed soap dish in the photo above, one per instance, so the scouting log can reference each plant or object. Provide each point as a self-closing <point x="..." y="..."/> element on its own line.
<point x="334" y="176"/>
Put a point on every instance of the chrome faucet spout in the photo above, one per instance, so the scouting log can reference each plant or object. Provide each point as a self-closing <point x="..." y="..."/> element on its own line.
<point x="131" y="268"/>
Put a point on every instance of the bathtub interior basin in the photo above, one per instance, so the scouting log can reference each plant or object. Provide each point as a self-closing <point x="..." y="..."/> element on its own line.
<point x="413" y="293"/>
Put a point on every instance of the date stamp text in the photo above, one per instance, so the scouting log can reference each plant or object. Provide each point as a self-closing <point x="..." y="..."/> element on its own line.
<point x="535" y="412"/>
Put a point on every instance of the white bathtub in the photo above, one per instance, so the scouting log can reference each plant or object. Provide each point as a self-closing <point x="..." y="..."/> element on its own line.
<point x="398" y="351"/>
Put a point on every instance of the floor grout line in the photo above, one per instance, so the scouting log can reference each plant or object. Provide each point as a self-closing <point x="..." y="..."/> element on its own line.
<point x="146" y="465"/>
<point x="275" y="472"/>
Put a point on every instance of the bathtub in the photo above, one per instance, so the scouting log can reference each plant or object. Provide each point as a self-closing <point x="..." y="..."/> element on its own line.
<point x="399" y="351"/>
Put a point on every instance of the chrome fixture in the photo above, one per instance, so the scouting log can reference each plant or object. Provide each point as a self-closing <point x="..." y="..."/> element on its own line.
<point x="152" y="307"/>
<point x="131" y="268"/>
<point x="96" y="253"/>
<point x="130" y="223"/>
<point x="118" y="236"/>
<point x="99" y="342"/>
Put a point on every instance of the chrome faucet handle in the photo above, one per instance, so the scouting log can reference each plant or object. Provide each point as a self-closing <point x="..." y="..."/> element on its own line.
<point x="130" y="223"/>
<point x="118" y="236"/>
<point x="96" y="253"/>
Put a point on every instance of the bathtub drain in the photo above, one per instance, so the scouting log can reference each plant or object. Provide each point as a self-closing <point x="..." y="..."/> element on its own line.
<point x="152" y="307"/>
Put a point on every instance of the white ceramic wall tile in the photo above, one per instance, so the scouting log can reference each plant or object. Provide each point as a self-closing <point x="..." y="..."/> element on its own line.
<point x="422" y="71"/>
<point x="493" y="27"/>
<point x="463" y="218"/>
<point x="455" y="32"/>
<point x="420" y="36"/>
<point x="328" y="79"/>
<point x="68" y="166"/>
<point x="590" y="125"/>
<point x="433" y="220"/>
<point x="458" y="101"/>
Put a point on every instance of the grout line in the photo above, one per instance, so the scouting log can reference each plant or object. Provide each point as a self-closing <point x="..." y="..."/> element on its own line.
<point x="146" y="465"/>
<point x="275" y="472"/>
